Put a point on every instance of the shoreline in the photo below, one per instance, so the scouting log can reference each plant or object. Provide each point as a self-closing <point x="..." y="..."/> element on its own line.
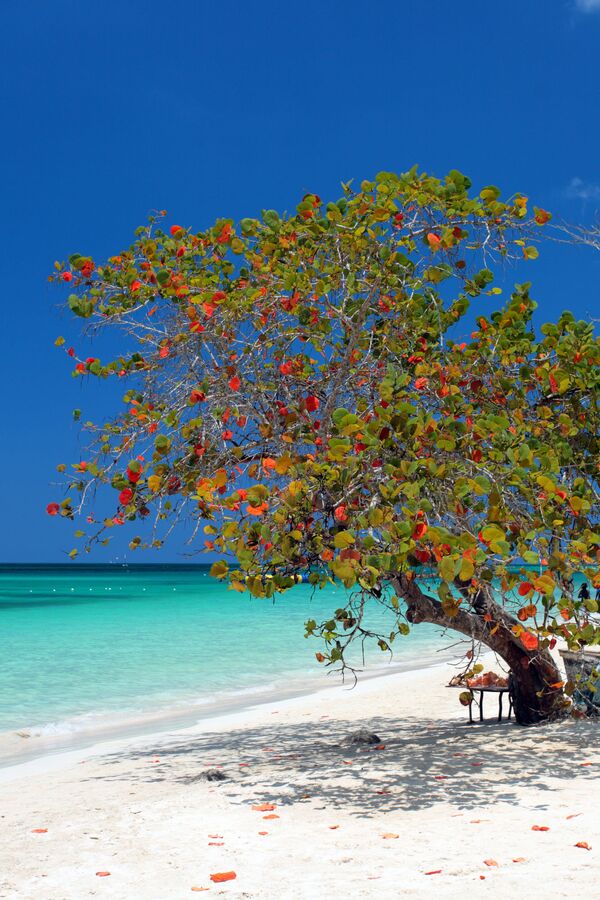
<point x="49" y="753"/>
<point x="437" y="806"/>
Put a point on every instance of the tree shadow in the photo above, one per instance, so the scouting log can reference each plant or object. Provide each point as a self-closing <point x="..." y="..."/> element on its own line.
<point x="424" y="762"/>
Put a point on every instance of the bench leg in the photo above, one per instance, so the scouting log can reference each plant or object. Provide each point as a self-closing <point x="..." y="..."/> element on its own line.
<point x="481" y="706"/>
<point x="500" y="706"/>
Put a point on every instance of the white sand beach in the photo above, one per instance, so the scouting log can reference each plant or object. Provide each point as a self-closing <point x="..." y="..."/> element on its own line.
<point x="441" y="808"/>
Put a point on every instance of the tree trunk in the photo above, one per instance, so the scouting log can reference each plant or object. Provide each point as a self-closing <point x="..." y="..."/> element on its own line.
<point x="532" y="673"/>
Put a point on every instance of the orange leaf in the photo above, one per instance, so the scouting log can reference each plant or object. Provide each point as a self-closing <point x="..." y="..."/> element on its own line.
<point x="102" y="874"/>
<point x="200" y="889"/>
<point x="519" y="859"/>
<point x="540" y="828"/>
<point x="380" y="746"/>
<point x="223" y="876"/>
<point x="583" y="844"/>
<point x="390" y="835"/>
<point x="271" y="816"/>
<point x="264" y="807"/>
<point x="573" y="815"/>
<point x="333" y="827"/>
<point x="529" y="640"/>
<point x="39" y="830"/>
<point x="263" y="832"/>
<point x="490" y="862"/>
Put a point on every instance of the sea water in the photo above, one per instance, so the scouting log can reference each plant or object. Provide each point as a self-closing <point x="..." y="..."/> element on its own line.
<point x="109" y="649"/>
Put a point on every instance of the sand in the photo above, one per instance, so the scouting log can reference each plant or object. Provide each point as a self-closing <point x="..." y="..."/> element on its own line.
<point x="442" y="809"/>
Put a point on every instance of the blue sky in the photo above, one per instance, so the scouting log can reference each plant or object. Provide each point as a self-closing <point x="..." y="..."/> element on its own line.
<point x="113" y="109"/>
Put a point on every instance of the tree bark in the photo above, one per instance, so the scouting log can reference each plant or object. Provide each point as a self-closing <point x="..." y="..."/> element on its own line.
<point x="531" y="672"/>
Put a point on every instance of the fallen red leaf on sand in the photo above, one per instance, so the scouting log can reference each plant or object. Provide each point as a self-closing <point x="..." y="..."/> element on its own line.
<point x="380" y="746"/>
<point x="383" y="792"/>
<point x="586" y="764"/>
<point x="102" y="874"/>
<point x="477" y="764"/>
<point x="390" y="834"/>
<point x="271" y="816"/>
<point x="223" y="876"/>
<point x="347" y="762"/>
<point x="264" y="807"/>
<point x="216" y="843"/>
<point x="434" y="872"/>
<point x="333" y="827"/>
<point x="490" y="862"/>
<point x="583" y="844"/>
<point x="482" y="877"/>
<point x="573" y="815"/>
<point x="39" y="830"/>
<point x="518" y="859"/>
<point x="214" y="836"/>
<point x="263" y="832"/>
<point x="440" y="777"/>
<point x="540" y="828"/>
<point x="242" y="766"/>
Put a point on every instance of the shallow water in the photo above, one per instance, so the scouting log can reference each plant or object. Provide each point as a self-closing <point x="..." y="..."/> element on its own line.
<point x="96" y="648"/>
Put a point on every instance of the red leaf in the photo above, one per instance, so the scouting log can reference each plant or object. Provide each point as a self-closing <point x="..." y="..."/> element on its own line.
<point x="540" y="828"/>
<point x="490" y="862"/>
<point x="583" y="844"/>
<point x="102" y="874"/>
<point x="434" y="872"/>
<point x="264" y="807"/>
<point x="223" y="876"/>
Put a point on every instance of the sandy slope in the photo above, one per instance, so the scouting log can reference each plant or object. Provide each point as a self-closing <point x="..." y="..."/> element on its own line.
<point x="454" y="795"/>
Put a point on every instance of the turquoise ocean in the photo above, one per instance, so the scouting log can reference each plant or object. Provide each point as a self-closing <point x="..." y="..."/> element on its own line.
<point x="92" y="652"/>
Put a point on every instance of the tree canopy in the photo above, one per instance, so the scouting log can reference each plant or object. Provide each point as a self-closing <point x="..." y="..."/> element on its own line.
<point x="300" y="387"/>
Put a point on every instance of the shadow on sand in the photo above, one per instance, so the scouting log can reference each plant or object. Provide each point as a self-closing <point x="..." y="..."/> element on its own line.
<point x="424" y="762"/>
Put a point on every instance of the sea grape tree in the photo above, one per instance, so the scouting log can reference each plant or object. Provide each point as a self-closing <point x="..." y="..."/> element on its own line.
<point x="300" y="390"/>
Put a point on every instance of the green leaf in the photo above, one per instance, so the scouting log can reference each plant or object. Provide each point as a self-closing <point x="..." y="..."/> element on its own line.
<point x="219" y="569"/>
<point x="343" y="539"/>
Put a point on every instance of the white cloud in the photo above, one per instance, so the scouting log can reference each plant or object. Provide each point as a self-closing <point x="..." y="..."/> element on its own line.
<point x="578" y="189"/>
<point x="587" y="5"/>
